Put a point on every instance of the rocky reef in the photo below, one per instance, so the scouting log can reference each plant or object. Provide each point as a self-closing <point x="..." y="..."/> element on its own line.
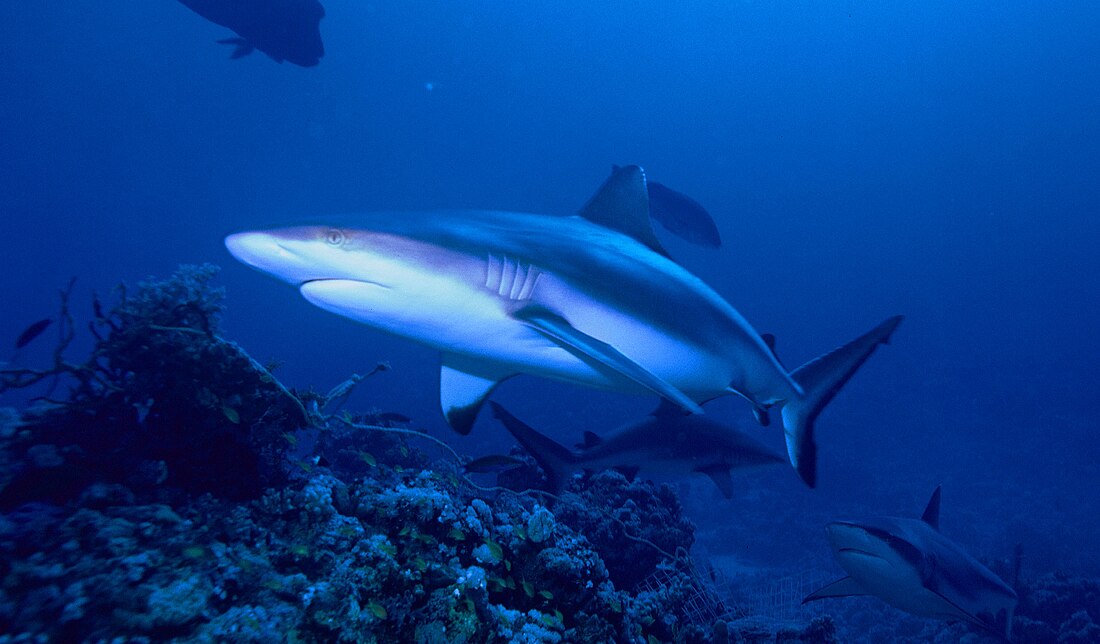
<point x="180" y="491"/>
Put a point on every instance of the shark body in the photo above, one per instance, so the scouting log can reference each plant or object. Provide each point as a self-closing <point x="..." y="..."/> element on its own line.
<point x="590" y="299"/>
<point x="910" y="565"/>
<point x="665" y="442"/>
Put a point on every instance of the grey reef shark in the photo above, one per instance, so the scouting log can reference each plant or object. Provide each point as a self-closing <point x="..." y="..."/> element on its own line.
<point x="283" y="29"/>
<point x="668" y="441"/>
<point x="910" y="565"/>
<point x="591" y="299"/>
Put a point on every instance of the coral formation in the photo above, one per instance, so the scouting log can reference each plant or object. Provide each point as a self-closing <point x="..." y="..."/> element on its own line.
<point x="159" y="382"/>
<point x="648" y="524"/>
<point x="180" y="491"/>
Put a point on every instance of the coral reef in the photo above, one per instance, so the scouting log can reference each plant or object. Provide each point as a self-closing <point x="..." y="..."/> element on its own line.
<point x="1053" y="608"/>
<point x="159" y="382"/>
<point x="648" y="523"/>
<point x="414" y="558"/>
<point x="181" y="492"/>
<point x="1057" y="607"/>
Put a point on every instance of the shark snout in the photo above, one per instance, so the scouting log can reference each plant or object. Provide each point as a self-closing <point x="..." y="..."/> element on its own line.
<point x="249" y="247"/>
<point x="845" y="535"/>
<point x="265" y="251"/>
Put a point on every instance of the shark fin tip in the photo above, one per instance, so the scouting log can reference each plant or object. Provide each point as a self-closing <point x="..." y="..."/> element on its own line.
<point x="931" y="514"/>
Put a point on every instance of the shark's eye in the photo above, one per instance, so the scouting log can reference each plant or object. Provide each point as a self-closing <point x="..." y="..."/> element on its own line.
<point x="334" y="237"/>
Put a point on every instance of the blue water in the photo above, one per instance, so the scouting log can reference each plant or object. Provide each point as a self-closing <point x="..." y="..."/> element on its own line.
<point x="862" y="159"/>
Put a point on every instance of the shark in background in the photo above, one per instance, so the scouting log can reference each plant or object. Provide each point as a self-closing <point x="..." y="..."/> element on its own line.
<point x="668" y="441"/>
<point x="591" y="299"/>
<point x="283" y="29"/>
<point x="910" y="565"/>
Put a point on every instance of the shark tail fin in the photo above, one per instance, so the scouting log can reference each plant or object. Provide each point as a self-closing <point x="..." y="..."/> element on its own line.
<point x="242" y="47"/>
<point x="554" y="459"/>
<point x="820" y="380"/>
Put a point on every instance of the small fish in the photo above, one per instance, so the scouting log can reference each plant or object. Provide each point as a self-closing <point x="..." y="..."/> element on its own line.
<point x="393" y="417"/>
<point x="231" y="414"/>
<point x="494" y="549"/>
<point x="492" y="464"/>
<point x="340" y="393"/>
<point x="32" y="332"/>
<point x="194" y="552"/>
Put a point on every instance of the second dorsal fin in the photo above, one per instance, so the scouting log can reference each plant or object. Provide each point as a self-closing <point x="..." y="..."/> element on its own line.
<point x="622" y="204"/>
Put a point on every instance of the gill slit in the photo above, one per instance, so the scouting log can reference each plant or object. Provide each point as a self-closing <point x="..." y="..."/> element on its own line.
<point x="509" y="278"/>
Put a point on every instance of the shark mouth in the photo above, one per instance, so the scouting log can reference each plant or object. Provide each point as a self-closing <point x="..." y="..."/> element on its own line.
<point x="340" y="280"/>
<point x="859" y="553"/>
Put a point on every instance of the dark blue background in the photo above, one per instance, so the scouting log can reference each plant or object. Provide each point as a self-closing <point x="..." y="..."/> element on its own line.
<point x="863" y="159"/>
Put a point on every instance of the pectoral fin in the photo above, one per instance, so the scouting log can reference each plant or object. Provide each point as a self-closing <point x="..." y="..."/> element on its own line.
<point x="845" y="587"/>
<point x="241" y="49"/>
<point x="463" y="387"/>
<point x="559" y="330"/>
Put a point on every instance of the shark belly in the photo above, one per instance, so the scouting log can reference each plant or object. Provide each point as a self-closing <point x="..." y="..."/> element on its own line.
<point x="897" y="583"/>
<point x="462" y="316"/>
<point x="462" y="319"/>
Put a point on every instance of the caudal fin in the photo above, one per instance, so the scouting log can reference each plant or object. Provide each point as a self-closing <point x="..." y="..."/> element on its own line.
<point x="820" y="380"/>
<point x="554" y="459"/>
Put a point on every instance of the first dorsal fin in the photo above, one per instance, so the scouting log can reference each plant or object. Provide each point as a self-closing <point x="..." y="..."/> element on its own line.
<point x="591" y="440"/>
<point x="931" y="514"/>
<point x="622" y="204"/>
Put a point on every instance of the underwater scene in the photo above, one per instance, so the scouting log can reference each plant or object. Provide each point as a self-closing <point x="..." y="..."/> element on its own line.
<point x="538" y="322"/>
